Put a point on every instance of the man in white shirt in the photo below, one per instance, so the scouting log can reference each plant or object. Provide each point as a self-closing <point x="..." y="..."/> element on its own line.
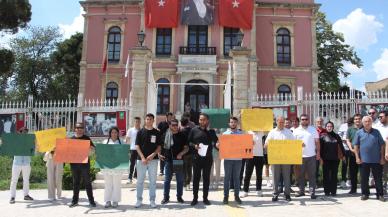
<point x="383" y="129"/>
<point x="311" y="153"/>
<point x="131" y="139"/>
<point x="372" y="112"/>
<point x="280" y="133"/>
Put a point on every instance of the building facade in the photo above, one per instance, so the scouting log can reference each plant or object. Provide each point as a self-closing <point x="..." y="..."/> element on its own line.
<point x="278" y="55"/>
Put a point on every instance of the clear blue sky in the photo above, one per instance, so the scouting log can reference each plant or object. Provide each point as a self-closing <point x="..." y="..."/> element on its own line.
<point x="363" y="22"/>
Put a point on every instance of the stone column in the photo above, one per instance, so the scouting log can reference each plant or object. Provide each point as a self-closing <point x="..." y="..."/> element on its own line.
<point x="240" y="82"/>
<point x="314" y="64"/>
<point x="140" y="60"/>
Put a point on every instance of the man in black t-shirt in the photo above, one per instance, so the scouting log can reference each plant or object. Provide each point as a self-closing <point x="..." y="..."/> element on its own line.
<point x="202" y="138"/>
<point x="79" y="170"/>
<point x="175" y="146"/>
<point x="188" y="157"/>
<point x="163" y="127"/>
<point x="148" y="146"/>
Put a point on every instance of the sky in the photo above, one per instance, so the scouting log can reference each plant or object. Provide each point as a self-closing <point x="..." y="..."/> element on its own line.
<point x="364" y="24"/>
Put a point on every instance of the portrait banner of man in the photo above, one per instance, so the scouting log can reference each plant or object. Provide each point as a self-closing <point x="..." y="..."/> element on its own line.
<point x="197" y="12"/>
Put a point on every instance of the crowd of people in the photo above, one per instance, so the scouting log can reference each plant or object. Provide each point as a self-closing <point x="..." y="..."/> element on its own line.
<point x="190" y="153"/>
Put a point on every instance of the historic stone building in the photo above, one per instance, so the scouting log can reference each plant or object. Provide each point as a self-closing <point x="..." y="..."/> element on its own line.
<point x="278" y="54"/>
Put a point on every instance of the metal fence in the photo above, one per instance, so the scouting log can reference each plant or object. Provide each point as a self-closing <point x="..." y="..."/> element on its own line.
<point x="40" y="115"/>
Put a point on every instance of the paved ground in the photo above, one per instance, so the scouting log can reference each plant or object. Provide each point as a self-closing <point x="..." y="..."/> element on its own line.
<point x="253" y="206"/>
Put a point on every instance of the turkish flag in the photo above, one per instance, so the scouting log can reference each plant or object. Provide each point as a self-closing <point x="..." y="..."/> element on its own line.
<point x="236" y="13"/>
<point x="161" y="13"/>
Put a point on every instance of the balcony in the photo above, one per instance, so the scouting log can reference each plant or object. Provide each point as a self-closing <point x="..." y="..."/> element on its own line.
<point x="197" y="50"/>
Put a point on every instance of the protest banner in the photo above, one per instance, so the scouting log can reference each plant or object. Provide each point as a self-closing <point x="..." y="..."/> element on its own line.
<point x="236" y="146"/>
<point x="46" y="139"/>
<point x="285" y="152"/>
<point x="72" y="151"/>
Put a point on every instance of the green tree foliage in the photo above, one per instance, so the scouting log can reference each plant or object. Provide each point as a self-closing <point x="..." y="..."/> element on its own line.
<point x="66" y="60"/>
<point x="332" y="52"/>
<point x="14" y="14"/>
<point x="33" y="69"/>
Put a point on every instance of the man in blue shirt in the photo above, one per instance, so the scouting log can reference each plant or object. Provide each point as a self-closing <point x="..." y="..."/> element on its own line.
<point x="369" y="150"/>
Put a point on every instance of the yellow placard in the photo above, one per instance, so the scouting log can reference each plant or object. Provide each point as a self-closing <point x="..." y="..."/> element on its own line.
<point x="257" y="119"/>
<point x="285" y="152"/>
<point x="46" y="139"/>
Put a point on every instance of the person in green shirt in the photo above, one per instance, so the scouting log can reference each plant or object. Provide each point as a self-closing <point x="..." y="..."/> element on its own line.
<point x="353" y="166"/>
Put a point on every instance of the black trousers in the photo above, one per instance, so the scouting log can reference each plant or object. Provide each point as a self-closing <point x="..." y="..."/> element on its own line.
<point x="201" y="166"/>
<point x="132" y="167"/>
<point x="353" y="171"/>
<point x="256" y="163"/>
<point x="344" y="166"/>
<point x="377" y="171"/>
<point x="330" y="173"/>
<point x="161" y="166"/>
<point x="81" y="171"/>
<point x="187" y="168"/>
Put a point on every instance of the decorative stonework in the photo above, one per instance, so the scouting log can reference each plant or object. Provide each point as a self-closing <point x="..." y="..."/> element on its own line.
<point x="290" y="26"/>
<point x="279" y="80"/>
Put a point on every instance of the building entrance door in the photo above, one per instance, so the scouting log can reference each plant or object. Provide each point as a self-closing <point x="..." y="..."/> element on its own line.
<point x="196" y="98"/>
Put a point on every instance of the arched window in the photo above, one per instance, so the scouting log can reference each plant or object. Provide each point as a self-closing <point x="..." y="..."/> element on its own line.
<point x="112" y="91"/>
<point x="114" y="44"/>
<point x="163" y="96"/>
<point x="284" y="91"/>
<point x="283" y="46"/>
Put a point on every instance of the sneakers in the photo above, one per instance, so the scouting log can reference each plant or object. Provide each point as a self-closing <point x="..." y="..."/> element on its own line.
<point x="153" y="204"/>
<point x="313" y="196"/>
<point x="165" y="201"/>
<point x="364" y="197"/>
<point x="348" y="183"/>
<point x="351" y="192"/>
<point x="225" y="200"/>
<point x="237" y="199"/>
<point x="73" y="204"/>
<point x="194" y="202"/>
<point x="269" y="184"/>
<point x="12" y="200"/>
<point x="92" y="204"/>
<point x="343" y="184"/>
<point x="108" y="204"/>
<point x="180" y="200"/>
<point x="245" y="194"/>
<point x="300" y="194"/>
<point x="27" y="197"/>
<point x="115" y="204"/>
<point x="288" y="197"/>
<point x="138" y="204"/>
<point x="129" y="181"/>
<point x="274" y="198"/>
<point x="206" y="202"/>
<point x="259" y="193"/>
<point x="381" y="198"/>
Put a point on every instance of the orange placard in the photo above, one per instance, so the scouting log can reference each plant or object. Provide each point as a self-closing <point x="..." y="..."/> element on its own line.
<point x="71" y="151"/>
<point x="236" y="146"/>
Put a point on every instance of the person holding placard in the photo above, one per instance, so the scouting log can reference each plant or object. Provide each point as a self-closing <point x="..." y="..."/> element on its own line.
<point x="21" y="164"/>
<point x="131" y="139"/>
<point x="332" y="151"/>
<point x="175" y="146"/>
<point x="232" y="167"/>
<point x="81" y="170"/>
<point x="148" y="146"/>
<point x="54" y="176"/>
<point x="280" y="170"/>
<point x="112" y="177"/>
<point x="311" y="153"/>
<point x="203" y="140"/>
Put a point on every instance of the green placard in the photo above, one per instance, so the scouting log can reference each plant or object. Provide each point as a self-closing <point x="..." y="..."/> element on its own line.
<point x="17" y="144"/>
<point x="219" y="118"/>
<point x="112" y="156"/>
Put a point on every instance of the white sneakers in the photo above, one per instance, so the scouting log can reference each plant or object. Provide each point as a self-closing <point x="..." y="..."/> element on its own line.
<point x="138" y="204"/>
<point x="153" y="204"/>
<point x="269" y="184"/>
<point x="245" y="194"/>
<point x="343" y="184"/>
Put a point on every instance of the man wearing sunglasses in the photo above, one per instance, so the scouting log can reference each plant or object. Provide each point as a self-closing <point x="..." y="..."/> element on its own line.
<point x="372" y="112"/>
<point x="383" y="129"/>
<point x="311" y="153"/>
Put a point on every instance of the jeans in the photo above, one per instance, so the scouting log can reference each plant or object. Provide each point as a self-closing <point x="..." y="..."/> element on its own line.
<point x="202" y="166"/>
<point x="232" y="169"/>
<point x="188" y="168"/>
<point x="152" y="168"/>
<point x="167" y="181"/>
<point x="132" y="171"/>
<point x="243" y="163"/>
<point x="78" y="171"/>
<point x="257" y="163"/>
<point x="330" y="173"/>
<point x="309" y="166"/>
<point x="377" y="171"/>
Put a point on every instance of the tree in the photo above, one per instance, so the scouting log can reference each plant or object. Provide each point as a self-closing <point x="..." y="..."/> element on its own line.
<point x="66" y="60"/>
<point x="332" y="52"/>
<point x="33" y="69"/>
<point x="14" y="14"/>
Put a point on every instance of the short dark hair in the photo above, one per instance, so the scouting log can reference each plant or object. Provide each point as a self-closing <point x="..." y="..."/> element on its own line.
<point x="137" y="118"/>
<point x="350" y="121"/>
<point x="186" y="114"/>
<point x="204" y="114"/>
<point x="184" y="121"/>
<point x="150" y="115"/>
<point x="168" y="114"/>
<point x="384" y="112"/>
<point x="173" y="120"/>
<point x="304" y="115"/>
<point x="233" y="118"/>
<point x="357" y="115"/>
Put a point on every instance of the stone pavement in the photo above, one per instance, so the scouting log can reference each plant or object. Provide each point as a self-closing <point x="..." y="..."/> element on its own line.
<point x="252" y="206"/>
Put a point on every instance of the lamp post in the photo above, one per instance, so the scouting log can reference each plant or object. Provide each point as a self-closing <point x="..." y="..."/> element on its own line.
<point x="140" y="38"/>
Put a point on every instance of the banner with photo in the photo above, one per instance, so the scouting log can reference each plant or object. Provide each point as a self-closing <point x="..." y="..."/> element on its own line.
<point x="197" y="12"/>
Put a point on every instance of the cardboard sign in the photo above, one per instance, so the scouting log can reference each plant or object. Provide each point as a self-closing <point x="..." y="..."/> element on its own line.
<point x="257" y="119"/>
<point x="236" y="146"/>
<point x="46" y="139"/>
<point x="285" y="152"/>
<point x="112" y="156"/>
<point x="72" y="151"/>
<point x="15" y="144"/>
<point x="218" y="118"/>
